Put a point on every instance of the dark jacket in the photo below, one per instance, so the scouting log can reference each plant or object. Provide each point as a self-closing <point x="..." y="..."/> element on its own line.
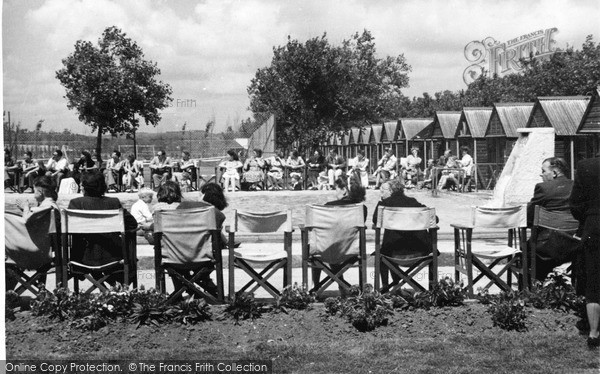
<point x="403" y="244"/>
<point x="554" y="196"/>
<point x="585" y="197"/>
<point x="98" y="249"/>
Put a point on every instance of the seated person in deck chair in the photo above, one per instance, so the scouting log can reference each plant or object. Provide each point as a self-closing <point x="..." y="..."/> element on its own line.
<point x="400" y="244"/>
<point x="355" y="194"/>
<point x="553" y="194"/>
<point x="99" y="249"/>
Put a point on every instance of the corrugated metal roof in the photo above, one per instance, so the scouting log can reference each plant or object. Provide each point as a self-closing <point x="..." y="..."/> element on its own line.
<point x="355" y="135"/>
<point x="365" y="134"/>
<point x="512" y="116"/>
<point x="391" y="130"/>
<point x="411" y="127"/>
<point x="448" y="122"/>
<point x="376" y="133"/>
<point x="477" y="119"/>
<point x="590" y="123"/>
<point x="563" y="112"/>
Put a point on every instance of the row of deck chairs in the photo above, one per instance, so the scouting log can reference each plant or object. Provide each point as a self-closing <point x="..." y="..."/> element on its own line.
<point x="187" y="240"/>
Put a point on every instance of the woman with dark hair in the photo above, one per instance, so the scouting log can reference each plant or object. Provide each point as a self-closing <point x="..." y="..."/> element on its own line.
<point x="213" y="194"/>
<point x="231" y="177"/>
<point x="169" y="196"/>
<point x="98" y="249"/>
<point x="355" y="194"/>
<point x="83" y="165"/>
<point x="253" y="168"/>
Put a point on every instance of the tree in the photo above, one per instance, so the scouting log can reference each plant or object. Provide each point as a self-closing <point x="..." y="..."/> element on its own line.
<point x="315" y="89"/>
<point x="565" y="73"/>
<point x="111" y="85"/>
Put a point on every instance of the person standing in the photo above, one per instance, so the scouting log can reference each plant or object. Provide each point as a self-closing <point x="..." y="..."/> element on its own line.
<point x="585" y="207"/>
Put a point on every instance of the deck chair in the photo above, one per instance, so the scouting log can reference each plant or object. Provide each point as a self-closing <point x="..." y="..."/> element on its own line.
<point x="187" y="247"/>
<point x="107" y="226"/>
<point x="406" y="219"/>
<point x="31" y="245"/>
<point x="563" y="226"/>
<point x="334" y="235"/>
<point x="272" y="259"/>
<point x="466" y="258"/>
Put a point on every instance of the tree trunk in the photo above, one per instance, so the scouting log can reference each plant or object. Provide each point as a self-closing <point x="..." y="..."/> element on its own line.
<point x="99" y="144"/>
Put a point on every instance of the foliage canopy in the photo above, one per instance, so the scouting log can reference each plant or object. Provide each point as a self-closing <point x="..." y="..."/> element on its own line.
<point x="315" y="88"/>
<point x="111" y="83"/>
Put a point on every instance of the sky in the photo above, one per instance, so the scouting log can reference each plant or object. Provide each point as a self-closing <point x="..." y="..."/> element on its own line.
<point x="208" y="51"/>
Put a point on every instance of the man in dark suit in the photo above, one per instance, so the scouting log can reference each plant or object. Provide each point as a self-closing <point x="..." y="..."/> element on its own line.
<point x="400" y="244"/>
<point x="552" y="194"/>
<point x="585" y="207"/>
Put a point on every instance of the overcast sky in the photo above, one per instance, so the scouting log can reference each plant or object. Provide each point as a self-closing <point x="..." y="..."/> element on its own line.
<point x="208" y="51"/>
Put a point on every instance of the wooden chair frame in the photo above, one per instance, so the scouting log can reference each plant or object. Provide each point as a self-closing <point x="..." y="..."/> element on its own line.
<point x="175" y="272"/>
<point x="562" y="222"/>
<point x="260" y="279"/>
<point x="76" y="269"/>
<point x="330" y="275"/>
<point x="414" y="265"/>
<point x="35" y="283"/>
<point x="465" y="259"/>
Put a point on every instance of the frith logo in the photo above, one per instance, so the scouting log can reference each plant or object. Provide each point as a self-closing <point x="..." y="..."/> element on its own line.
<point x="503" y="58"/>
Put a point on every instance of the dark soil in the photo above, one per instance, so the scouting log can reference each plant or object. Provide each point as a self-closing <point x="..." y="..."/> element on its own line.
<point x="38" y="337"/>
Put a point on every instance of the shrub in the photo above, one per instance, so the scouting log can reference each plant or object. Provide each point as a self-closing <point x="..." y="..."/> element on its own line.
<point x="295" y="297"/>
<point x="190" y="311"/>
<point x="364" y="311"/>
<point x="508" y="312"/>
<point x="243" y="307"/>
<point x="443" y="293"/>
<point x="12" y="303"/>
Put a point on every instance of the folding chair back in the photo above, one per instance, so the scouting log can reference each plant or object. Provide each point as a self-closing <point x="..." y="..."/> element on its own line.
<point x="563" y="227"/>
<point x="334" y="234"/>
<point x="334" y="231"/>
<point x="187" y="240"/>
<point x="554" y="220"/>
<point x="406" y="219"/>
<point x="275" y="222"/>
<point x="29" y="246"/>
<point x="29" y="243"/>
<point x="271" y="258"/>
<point x="514" y="220"/>
<point x="186" y="234"/>
<point x="90" y="222"/>
<point x="499" y="218"/>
